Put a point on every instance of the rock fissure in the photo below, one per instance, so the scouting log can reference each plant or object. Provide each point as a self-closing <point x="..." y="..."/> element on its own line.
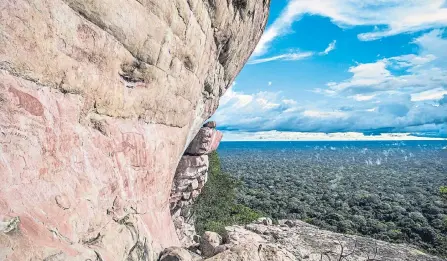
<point x="94" y="240"/>
<point x="98" y="256"/>
<point x="181" y="16"/>
<point x="8" y="69"/>
<point x="59" y="235"/>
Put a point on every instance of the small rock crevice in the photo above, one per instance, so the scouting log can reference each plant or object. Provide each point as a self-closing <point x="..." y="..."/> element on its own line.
<point x="132" y="74"/>
<point x="241" y="6"/>
<point x="93" y="240"/>
<point x="138" y="252"/>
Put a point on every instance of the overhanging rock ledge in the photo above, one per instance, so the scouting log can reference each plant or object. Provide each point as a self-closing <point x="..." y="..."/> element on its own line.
<point x="99" y="100"/>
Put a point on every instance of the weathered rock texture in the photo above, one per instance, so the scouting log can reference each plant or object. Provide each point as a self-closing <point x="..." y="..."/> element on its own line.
<point x="206" y="141"/>
<point x="296" y="240"/>
<point x="99" y="100"/>
<point x="190" y="177"/>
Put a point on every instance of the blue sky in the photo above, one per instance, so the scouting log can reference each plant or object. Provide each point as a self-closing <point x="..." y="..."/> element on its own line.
<point x="367" y="66"/>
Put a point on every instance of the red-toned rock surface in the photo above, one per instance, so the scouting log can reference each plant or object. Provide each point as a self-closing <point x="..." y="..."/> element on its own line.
<point x="99" y="100"/>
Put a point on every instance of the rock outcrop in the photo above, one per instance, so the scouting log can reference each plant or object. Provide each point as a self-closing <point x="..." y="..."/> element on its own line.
<point x="99" y="100"/>
<point x="190" y="177"/>
<point x="294" y="240"/>
<point x="178" y="254"/>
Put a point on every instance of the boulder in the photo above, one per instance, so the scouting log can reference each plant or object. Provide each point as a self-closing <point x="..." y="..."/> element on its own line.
<point x="209" y="242"/>
<point x="220" y="249"/>
<point x="264" y="220"/>
<point x="289" y="223"/>
<point x="175" y="254"/>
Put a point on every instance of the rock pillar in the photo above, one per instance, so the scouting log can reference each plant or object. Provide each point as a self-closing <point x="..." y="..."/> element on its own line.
<point x="190" y="177"/>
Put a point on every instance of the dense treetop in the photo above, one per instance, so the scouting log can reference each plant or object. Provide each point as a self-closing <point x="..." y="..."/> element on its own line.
<point x="386" y="191"/>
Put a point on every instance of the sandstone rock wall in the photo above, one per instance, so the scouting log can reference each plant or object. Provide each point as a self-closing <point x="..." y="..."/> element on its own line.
<point x="99" y="99"/>
<point x="190" y="177"/>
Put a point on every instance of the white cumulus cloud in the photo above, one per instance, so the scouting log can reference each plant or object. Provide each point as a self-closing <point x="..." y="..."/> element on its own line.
<point x="406" y="93"/>
<point x="413" y="73"/>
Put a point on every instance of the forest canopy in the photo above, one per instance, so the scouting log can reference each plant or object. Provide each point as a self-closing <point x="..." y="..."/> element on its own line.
<point x="385" y="191"/>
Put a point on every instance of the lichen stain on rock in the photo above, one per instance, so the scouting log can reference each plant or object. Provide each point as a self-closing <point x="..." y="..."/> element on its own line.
<point x="28" y="102"/>
<point x="86" y="34"/>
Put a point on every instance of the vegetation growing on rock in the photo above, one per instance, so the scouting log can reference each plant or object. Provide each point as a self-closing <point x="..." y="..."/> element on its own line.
<point x="443" y="192"/>
<point x="216" y="206"/>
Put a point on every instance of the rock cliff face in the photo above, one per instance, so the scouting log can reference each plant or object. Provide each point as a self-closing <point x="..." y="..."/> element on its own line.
<point x="99" y="100"/>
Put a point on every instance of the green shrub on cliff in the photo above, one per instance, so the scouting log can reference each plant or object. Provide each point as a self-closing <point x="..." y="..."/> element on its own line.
<point x="216" y="206"/>
<point x="443" y="192"/>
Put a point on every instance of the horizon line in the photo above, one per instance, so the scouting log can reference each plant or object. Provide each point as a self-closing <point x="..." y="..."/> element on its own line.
<point x="321" y="136"/>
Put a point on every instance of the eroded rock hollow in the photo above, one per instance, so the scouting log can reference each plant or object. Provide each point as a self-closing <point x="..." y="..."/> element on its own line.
<point x="99" y="100"/>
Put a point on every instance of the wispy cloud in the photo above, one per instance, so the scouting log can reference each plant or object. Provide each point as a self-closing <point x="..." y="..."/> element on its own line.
<point x="361" y="97"/>
<point x="329" y="49"/>
<point x="393" y="17"/>
<point x="284" y="57"/>
<point x="294" y="56"/>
